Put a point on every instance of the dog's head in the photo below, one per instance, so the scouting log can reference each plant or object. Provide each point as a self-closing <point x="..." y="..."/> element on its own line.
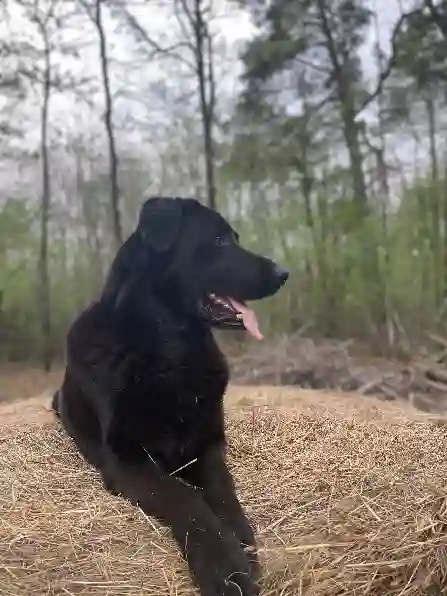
<point x="199" y="266"/>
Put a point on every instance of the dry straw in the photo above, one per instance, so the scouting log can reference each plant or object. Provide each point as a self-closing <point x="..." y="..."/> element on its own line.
<point x="342" y="506"/>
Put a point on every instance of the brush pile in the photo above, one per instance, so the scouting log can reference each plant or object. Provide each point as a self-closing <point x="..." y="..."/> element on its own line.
<point x="326" y="364"/>
<point x="342" y="506"/>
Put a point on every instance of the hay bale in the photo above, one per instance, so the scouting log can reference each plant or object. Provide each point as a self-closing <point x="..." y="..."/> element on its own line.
<point x="341" y="505"/>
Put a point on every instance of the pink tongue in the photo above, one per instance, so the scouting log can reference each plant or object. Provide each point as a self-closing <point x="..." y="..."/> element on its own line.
<point x="249" y="319"/>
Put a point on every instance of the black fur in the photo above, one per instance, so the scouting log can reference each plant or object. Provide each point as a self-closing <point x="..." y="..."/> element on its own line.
<point x="144" y="382"/>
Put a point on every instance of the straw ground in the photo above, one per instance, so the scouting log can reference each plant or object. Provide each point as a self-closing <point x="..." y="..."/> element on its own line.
<point x="348" y="496"/>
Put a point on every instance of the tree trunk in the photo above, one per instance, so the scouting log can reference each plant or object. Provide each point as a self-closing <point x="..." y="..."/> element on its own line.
<point x="346" y="99"/>
<point x="108" y="120"/>
<point x="443" y="208"/>
<point x="371" y="275"/>
<point x="205" y="74"/>
<point x="431" y="117"/>
<point x="355" y="155"/>
<point x="90" y="215"/>
<point x="44" y="278"/>
<point x="382" y="172"/>
<point x="434" y="203"/>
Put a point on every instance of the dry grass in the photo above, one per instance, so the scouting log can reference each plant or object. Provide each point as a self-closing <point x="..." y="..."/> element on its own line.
<point x="348" y="497"/>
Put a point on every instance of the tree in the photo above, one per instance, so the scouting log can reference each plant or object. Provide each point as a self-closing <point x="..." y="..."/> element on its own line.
<point x="419" y="77"/>
<point x="323" y="38"/>
<point x="203" y="53"/>
<point x="36" y="50"/>
<point x="195" y="51"/>
<point x="416" y="100"/>
<point x="44" y="16"/>
<point x="94" y="11"/>
<point x="438" y="13"/>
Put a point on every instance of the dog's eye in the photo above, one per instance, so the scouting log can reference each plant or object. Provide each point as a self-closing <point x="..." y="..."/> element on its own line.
<point x="223" y="241"/>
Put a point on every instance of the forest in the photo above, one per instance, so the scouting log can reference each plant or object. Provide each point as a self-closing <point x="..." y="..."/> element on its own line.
<point x="317" y="127"/>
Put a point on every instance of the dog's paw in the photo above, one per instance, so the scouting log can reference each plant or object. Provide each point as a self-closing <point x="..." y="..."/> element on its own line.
<point x="224" y="569"/>
<point x="251" y="553"/>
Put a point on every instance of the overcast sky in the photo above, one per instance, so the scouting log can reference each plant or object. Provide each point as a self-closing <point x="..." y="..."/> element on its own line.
<point x="233" y="27"/>
<point x="146" y="79"/>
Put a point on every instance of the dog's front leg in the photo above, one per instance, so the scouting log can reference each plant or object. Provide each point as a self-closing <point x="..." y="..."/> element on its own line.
<point x="211" y="474"/>
<point x="215" y="557"/>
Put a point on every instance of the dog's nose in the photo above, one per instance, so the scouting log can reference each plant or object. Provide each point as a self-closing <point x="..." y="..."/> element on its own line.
<point x="281" y="274"/>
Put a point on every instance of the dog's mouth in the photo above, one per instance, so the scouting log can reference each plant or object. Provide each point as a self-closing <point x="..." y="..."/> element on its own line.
<point x="229" y="313"/>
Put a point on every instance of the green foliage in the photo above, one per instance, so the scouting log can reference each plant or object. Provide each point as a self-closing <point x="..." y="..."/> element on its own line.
<point x="305" y="39"/>
<point x="297" y="172"/>
<point x="344" y="282"/>
<point x="419" y="74"/>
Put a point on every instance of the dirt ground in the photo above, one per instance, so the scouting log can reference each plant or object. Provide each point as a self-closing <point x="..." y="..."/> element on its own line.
<point x="19" y="382"/>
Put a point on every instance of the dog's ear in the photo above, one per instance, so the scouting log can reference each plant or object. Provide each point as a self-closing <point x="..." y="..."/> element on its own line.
<point x="159" y="222"/>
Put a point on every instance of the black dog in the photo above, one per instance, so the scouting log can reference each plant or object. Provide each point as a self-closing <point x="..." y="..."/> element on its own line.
<point x="144" y="381"/>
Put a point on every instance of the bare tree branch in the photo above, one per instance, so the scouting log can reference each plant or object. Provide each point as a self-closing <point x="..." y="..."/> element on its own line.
<point x="157" y="49"/>
<point x="392" y="60"/>
<point x="439" y="19"/>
